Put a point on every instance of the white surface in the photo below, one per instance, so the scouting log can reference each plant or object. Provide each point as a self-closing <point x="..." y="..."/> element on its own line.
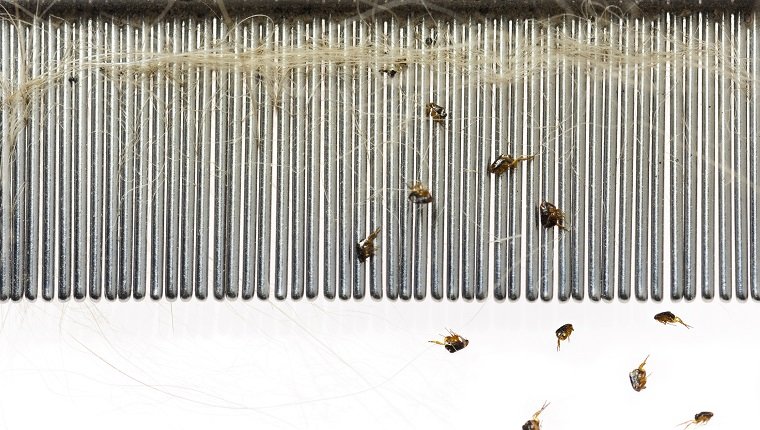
<point x="320" y="365"/>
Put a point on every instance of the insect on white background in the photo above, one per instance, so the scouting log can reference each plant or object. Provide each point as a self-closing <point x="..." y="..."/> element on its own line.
<point x="335" y="365"/>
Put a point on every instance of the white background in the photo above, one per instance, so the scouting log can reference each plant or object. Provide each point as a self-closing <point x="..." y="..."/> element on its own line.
<point x="367" y="365"/>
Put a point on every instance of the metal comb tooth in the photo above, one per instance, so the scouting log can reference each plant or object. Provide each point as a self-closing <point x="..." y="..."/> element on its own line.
<point x="125" y="182"/>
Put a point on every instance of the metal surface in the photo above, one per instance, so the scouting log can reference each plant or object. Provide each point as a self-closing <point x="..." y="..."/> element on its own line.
<point x="199" y="156"/>
<point x="514" y="8"/>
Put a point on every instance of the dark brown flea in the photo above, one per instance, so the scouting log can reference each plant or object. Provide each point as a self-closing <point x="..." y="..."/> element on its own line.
<point x="563" y="333"/>
<point x="507" y="162"/>
<point x="419" y="193"/>
<point x="533" y="423"/>
<point x="700" y="418"/>
<point x="670" y="318"/>
<point x="438" y="113"/>
<point x="394" y="68"/>
<point x="453" y="342"/>
<point x="550" y="216"/>
<point x="390" y="72"/>
<point x="366" y="248"/>
<point x="638" y="376"/>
